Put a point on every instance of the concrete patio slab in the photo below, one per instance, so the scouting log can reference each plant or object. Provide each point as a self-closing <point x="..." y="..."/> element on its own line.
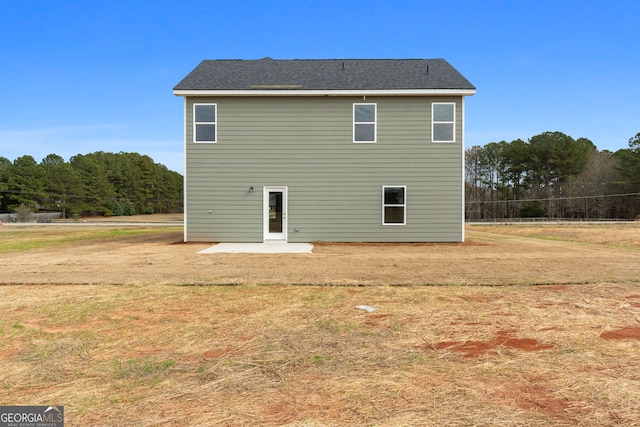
<point x="259" y="248"/>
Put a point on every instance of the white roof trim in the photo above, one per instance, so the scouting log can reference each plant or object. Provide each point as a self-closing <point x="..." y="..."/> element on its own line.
<point x="304" y="92"/>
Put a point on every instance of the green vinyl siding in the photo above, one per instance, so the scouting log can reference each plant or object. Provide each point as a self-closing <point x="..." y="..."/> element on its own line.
<point x="334" y="185"/>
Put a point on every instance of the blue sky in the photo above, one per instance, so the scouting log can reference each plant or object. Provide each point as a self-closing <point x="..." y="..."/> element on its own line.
<point x="84" y="76"/>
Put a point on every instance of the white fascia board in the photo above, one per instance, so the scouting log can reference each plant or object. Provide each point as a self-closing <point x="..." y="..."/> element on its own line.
<point x="298" y="92"/>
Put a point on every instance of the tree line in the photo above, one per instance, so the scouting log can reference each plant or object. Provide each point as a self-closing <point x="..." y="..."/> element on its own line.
<point x="552" y="175"/>
<point x="93" y="184"/>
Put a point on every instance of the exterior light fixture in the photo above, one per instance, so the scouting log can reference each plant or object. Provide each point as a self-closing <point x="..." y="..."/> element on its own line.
<point x="251" y="189"/>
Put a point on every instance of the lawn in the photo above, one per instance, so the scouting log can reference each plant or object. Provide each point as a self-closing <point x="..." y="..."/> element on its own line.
<point x="520" y="325"/>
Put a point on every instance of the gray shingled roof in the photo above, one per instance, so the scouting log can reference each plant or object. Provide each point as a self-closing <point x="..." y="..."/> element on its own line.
<point x="324" y="74"/>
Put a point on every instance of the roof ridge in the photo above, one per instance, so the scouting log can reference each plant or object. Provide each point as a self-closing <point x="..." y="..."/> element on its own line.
<point x="267" y="58"/>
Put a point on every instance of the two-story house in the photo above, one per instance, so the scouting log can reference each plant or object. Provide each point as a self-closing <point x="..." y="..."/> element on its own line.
<point x="324" y="150"/>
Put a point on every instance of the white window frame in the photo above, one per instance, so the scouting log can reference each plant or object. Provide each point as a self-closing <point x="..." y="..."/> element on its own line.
<point x="215" y="123"/>
<point x="403" y="205"/>
<point x="374" y="122"/>
<point x="442" y="122"/>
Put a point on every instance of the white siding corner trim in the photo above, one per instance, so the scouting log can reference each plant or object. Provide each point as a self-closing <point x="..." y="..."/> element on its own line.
<point x="184" y="176"/>
<point x="464" y="203"/>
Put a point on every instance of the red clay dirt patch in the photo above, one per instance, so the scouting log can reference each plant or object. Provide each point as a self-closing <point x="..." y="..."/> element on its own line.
<point x="531" y="397"/>
<point x="621" y="334"/>
<point x="217" y="353"/>
<point x="505" y="339"/>
<point x="8" y="354"/>
<point x="374" y="319"/>
<point x="634" y="304"/>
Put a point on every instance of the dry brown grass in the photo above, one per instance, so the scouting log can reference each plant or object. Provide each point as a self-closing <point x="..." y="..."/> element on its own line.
<point x="133" y="347"/>
<point x="492" y="255"/>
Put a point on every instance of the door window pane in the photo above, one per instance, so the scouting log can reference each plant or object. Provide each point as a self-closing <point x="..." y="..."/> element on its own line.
<point x="275" y="212"/>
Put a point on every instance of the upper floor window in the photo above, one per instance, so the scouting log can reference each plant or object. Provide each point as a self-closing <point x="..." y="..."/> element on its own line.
<point x="364" y="122"/>
<point x="205" y="123"/>
<point x="394" y="205"/>
<point x="443" y="122"/>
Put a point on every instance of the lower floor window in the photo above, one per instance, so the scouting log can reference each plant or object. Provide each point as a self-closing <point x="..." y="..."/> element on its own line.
<point x="394" y="205"/>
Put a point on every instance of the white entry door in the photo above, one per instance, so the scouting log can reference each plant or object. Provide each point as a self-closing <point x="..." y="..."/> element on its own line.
<point x="275" y="214"/>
